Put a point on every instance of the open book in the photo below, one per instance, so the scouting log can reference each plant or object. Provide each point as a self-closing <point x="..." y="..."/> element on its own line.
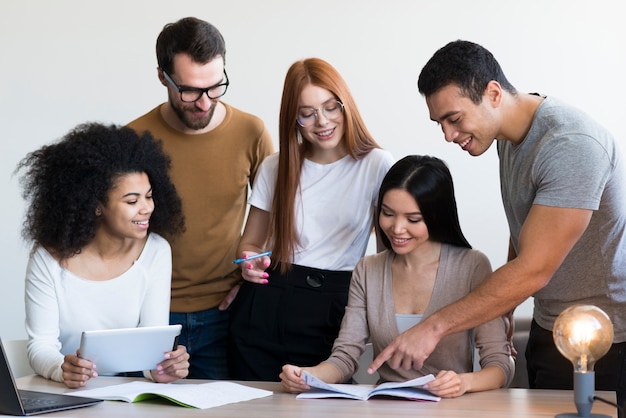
<point x="202" y="396"/>
<point x="411" y="389"/>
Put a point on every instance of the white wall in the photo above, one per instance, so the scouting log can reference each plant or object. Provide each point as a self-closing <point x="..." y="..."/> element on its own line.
<point x="69" y="61"/>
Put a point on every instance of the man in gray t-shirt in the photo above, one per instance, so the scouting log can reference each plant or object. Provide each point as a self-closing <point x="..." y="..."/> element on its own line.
<point x="563" y="184"/>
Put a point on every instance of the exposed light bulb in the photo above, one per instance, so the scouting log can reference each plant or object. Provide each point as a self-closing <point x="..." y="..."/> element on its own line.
<point x="583" y="334"/>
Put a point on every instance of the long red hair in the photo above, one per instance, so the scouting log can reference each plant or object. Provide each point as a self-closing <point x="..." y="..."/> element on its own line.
<point x="358" y="141"/>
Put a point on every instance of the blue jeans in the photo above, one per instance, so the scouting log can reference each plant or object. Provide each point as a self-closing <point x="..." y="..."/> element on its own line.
<point x="205" y="334"/>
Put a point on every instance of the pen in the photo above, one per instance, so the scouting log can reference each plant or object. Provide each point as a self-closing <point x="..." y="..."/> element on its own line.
<point x="252" y="257"/>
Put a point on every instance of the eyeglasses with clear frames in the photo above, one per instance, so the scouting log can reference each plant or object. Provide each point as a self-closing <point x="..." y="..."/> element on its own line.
<point x="193" y="94"/>
<point x="331" y="110"/>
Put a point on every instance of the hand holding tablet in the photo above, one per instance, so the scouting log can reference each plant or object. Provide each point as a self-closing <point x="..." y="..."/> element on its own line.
<point x="128" y="349"/>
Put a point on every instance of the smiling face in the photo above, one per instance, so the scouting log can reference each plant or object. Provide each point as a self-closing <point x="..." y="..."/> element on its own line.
<point x="325" y="135"/>
<point x="128" y="208"/>
<point x="197" y="115"/>
<point x="472" y="126"/>
<point x="402" y="222"/>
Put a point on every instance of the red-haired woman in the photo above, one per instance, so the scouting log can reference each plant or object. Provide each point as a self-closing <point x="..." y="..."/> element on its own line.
<point x="313" y="206"/>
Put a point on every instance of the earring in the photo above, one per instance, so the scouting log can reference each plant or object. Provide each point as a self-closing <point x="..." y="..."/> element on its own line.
<point x="98" y="211"/>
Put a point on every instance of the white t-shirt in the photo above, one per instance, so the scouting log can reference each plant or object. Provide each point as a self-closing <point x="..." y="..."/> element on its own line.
<point x="60" y="305"/>
<point x="335" y="207"/>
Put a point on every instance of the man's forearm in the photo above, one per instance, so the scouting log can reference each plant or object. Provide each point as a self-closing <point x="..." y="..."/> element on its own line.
<point x="500" y="293"/>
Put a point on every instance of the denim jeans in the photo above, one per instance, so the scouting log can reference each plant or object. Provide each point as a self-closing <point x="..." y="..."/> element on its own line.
<point x="205" y="334"/>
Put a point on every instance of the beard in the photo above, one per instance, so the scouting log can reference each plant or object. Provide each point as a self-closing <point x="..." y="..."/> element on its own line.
<point x="184" y="113"/>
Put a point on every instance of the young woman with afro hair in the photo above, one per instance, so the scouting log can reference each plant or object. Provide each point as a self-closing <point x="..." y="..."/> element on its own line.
<point x="100" y="202"/>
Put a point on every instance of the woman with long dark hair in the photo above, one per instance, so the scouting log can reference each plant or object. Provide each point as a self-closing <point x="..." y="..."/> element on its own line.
<point x="428" y="264"/>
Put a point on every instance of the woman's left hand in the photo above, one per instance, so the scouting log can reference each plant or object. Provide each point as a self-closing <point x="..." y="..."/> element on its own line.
<point x="174" y="367"/>
<point x="447" y="384"/>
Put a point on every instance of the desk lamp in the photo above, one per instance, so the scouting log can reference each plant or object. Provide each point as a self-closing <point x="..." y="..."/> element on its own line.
<point x="583" y="334"/>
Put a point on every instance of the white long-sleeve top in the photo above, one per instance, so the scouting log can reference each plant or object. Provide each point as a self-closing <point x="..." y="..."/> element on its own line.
<point x="60" y="305"/>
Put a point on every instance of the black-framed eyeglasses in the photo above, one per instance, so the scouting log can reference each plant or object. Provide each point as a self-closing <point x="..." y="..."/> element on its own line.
<point x="193" y="94"/>
<point x="331" y="110"/>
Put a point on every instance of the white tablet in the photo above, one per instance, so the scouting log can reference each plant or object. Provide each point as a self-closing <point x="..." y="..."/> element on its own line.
<point x="128" y="349"/>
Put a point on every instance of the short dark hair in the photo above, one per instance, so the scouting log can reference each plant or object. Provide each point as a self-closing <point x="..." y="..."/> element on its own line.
<point x="429" y="181"/>
<point x="197" y="38"/>
<point x="468" y="65"/>
<point x="66" y="181"/>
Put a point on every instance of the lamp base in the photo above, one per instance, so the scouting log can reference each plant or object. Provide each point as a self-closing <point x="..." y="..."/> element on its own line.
<point x="575" y="415"/>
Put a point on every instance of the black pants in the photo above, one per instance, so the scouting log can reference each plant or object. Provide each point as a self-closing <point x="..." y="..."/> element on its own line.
<point x="548" y="369"/>
<point x="294" y="319"/>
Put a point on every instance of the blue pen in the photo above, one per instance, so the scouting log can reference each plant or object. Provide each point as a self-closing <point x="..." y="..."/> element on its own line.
<point x="252" y="257"/>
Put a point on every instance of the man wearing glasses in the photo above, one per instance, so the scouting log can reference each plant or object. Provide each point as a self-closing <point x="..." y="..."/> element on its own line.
<point x="216" y="150"/>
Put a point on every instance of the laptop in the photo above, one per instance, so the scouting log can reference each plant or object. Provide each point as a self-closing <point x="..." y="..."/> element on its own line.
<point x="14" y="401"/>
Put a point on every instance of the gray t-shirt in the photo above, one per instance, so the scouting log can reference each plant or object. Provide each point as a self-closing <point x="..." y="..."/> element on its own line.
<point x="569" y="160"/>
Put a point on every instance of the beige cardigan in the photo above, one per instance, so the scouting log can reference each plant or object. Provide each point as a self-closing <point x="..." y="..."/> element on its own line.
<point x="370" y="315"/>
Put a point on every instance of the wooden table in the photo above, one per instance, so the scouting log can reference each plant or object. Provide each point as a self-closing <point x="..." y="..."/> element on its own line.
<point x="496" y="403"/>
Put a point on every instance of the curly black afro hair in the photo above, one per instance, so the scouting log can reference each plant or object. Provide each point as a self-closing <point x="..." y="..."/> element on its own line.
<point x="66" y="181"/>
